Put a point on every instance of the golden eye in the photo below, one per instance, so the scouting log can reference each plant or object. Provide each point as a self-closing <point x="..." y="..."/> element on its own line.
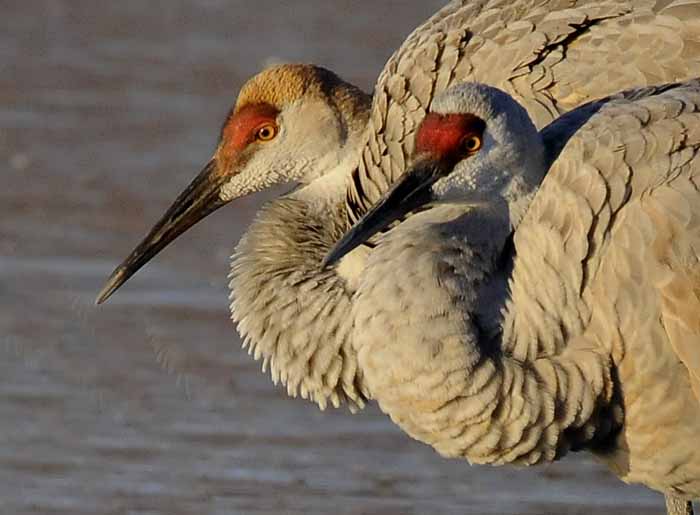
<point x="266" y="132"/>
<point x="471" y="143"/>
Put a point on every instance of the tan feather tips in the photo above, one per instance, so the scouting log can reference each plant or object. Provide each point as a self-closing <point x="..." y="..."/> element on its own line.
<point x="278" y="86"/>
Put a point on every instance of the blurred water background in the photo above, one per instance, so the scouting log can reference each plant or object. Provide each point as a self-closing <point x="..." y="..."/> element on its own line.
<point x="148" y="405"/>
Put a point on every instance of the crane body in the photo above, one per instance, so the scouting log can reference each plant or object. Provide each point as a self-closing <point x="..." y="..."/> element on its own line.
<point x="581" y="333"/>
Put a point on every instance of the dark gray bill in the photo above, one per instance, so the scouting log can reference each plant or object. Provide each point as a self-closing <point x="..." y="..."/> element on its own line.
<point x="198" y="200"/>
<point x="411" y="191"/>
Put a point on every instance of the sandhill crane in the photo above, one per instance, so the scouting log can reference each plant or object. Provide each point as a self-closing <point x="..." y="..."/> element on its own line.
<point x="516" y="316"/>
<point x="303" y="124"/>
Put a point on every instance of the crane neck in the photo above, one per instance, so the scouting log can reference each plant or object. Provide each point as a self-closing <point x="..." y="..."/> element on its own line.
<point x="330" y="186"/>
<point x="290" y="313"/>
<point x="435" y="359"/>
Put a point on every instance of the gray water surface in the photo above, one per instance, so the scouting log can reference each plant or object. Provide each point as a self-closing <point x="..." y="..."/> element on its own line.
<point x="147" y="404"/>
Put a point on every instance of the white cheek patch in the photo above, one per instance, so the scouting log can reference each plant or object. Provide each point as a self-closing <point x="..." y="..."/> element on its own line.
<point x="236" y="187"/>
<point x="268" y="168"/>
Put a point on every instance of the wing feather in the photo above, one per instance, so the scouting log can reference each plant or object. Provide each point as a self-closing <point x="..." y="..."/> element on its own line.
<point x="550" y="56"/>
<point x="618" y="218"/>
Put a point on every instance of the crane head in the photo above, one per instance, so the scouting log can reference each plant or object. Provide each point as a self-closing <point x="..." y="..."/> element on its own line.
<point x="476" y="145"/>
<point x="291" y="124"/>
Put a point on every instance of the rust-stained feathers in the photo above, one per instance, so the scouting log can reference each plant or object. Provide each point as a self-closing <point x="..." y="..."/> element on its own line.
<point x="282" y="85"/>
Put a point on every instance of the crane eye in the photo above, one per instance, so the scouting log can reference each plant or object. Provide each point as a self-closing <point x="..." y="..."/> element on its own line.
<point x="266" y="132"/>
<point x="471" y="143"/>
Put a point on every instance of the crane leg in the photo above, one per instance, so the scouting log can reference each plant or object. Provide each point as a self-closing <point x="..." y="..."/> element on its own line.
<point x="677" y="506"/>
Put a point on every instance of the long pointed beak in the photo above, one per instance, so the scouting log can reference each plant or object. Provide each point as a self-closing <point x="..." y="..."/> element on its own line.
<point x="199" y="199"/>
<point x="411" y="191"/>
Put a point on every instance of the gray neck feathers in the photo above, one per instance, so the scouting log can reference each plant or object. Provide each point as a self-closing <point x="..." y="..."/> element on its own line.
<point x="445" y="376"/>
<point x="290" y="314"/>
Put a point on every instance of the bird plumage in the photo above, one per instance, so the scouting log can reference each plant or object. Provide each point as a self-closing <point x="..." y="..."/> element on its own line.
<point x="304" y="335"/>
<point x="596" y="339"/>
<point x="554" y="58"/>
<point x="551" y="56"/>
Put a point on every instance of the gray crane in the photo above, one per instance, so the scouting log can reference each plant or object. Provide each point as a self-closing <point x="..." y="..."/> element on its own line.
<point x="545" y="294"/>
<point x="298" y="123"/>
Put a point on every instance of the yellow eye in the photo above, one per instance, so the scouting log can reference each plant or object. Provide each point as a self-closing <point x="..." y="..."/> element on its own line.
<point x="266" y="132"/>
<point x="471" y="143"/>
